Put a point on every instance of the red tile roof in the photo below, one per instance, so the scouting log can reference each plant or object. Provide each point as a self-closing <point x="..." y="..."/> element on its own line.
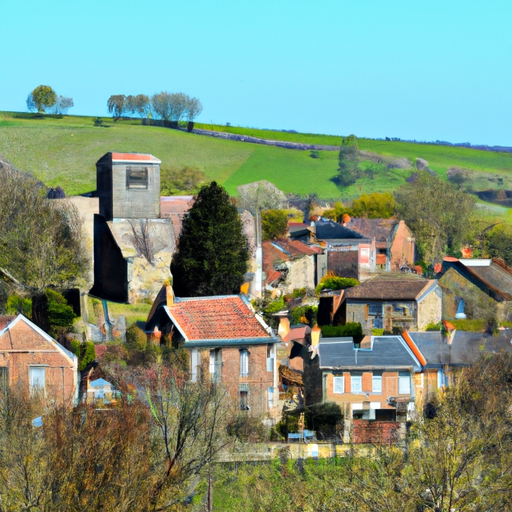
<point x="134" y="157"/>
<point x="213" y="318"/>
<point x="283" y="249"/>
<point x="5" y="319"/>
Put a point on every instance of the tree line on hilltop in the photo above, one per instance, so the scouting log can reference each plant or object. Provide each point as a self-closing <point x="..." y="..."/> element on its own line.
<point x="170" y="108"/>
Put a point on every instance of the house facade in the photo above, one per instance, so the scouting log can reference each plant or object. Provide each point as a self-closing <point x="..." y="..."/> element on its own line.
<point x="32" y="359"/>
<point x="227" y="343"/>
<point x="393" y="302"/>
<point x="289" y="264"/>
<point x="371" y="380"/>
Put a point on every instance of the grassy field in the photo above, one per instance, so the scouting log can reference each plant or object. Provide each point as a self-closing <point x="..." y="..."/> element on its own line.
<point x="63" y="151"/>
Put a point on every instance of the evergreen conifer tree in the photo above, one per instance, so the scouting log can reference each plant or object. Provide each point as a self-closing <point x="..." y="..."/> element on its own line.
<point x="212" y="251"/>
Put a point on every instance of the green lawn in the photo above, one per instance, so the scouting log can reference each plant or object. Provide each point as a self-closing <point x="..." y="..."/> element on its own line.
<point x="63" y="151"/>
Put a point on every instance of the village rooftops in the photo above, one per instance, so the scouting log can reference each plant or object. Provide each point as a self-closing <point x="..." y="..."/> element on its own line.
<point x="382" y="352"/>
<point x="382" y="230"/>
<point x="464" y="348"/>
<point x="391" y="287"/>
<point x="330" y="230"/>
<point x="218" y="321"/>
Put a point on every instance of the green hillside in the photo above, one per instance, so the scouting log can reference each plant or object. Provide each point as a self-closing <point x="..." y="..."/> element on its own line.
<point x="63" y="151"/>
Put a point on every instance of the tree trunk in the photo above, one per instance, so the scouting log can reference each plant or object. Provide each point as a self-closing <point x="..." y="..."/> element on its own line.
<point x="40" y="311"/>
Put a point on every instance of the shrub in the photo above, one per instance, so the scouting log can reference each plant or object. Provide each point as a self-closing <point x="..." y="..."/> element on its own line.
<point x="466" y="324"/>
<point x="304" y="314"/>
<point x="433" y="326"/>
<point x="60" y="313"/>
<point x="353" y="329"/>
<point x="274" y="224"/>
<point x="325" y="419"/>
<point x="314" y="154"/>
<point x="274" y="306"/>
<point x="16" y="304"/>
<point x="136" y="338"/>
<point x="85" y="351"/>
<point x="331" y="282"/>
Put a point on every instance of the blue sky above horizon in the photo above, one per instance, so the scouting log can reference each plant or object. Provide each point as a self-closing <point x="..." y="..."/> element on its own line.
<point x="438" y="70"/>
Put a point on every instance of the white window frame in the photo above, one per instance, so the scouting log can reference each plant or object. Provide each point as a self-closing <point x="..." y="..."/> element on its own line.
<point x="356" y="381"/>
<point x="404" y="383"/>
<point x="377" y="384"/>
<point x="216" y="364"/>
<point x="36" y="386"/>
<point x="244" y="363"/>
<point x="338" y="382"/>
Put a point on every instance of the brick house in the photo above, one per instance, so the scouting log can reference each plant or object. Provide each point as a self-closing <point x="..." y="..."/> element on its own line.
<point x="393" y="242"/>
<point x="372" y="380"/>
<point x="226" y="342"/>
<point x="34" y="360"/>
<point x="393" y="301"/>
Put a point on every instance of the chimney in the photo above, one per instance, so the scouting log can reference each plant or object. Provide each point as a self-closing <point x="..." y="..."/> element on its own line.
<point x="316" y="334"/>
<point x="169" y="295"/>
<point x="284" y="326"/>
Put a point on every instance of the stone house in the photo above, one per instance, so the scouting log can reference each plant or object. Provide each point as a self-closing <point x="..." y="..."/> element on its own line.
<point x="475" y="288"/>
<point x="32" y="359"/>
<point x="226" y="342"/>
<point x="289" y="264"/>
<point x="133" y="243"/>
<point x="393" y="302"/>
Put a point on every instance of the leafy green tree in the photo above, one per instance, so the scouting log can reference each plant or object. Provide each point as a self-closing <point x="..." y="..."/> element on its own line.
<point x="437" y="213"/>
<point x="116" y="105"/>
<point x="41" y="98"/>
<point x="274" y="224"/>
<point x="348" y="167"/>
<point x="212" y="251"/>
<point x="498" y="244"/>
<point x="379" y="205"/>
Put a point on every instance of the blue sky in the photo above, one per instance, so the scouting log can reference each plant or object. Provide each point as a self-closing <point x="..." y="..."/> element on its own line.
<point x="411" y="69"/>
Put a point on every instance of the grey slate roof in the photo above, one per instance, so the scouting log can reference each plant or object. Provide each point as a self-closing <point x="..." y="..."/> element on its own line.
<point x="466" y="348"/>
<point x="330" y="230"/>
<point x="386" y="352"/>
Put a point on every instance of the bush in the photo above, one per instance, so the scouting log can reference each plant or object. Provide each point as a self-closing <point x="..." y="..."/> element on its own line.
<point x="466" y="324"/>
<point x="136" y="338"/>
<point x="433" y="326"/>
<point x="304" y="314"/>
<point x="331" y="282"/>
<point x="60" y="313"/>
<point x="16" y="304"/>
<point x="85" y="351"/>
<point x="325" y="419"/>
<point x="350" y="329"/>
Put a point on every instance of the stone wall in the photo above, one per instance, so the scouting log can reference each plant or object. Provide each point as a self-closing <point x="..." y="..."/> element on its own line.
<point x="430" y="309"/>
